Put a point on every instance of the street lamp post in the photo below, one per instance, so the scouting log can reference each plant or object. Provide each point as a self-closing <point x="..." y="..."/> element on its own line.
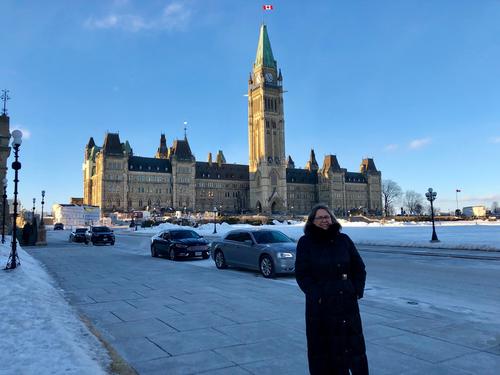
<point x="431" y="197"/>
<point x="13" y="261"/>
<point x="215" y="219"/>
<point x="33" y="216"/>
<point x="43" y="202"/>
<point x="4" y="197"/>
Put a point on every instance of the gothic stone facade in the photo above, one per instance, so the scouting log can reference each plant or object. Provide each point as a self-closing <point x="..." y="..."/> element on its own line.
<point x="117" y="180"/>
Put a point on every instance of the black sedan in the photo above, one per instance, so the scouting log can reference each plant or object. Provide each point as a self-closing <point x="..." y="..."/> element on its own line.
<point x="176" y="243"/>
<point x="79" y="235"/>
<point x="101" y="235"/>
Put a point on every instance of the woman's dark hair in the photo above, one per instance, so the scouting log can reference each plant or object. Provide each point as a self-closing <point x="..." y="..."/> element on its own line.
<point x="312" y="215"/>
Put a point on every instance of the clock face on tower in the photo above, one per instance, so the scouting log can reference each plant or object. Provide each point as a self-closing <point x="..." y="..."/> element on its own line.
<point x="269" y="77"/>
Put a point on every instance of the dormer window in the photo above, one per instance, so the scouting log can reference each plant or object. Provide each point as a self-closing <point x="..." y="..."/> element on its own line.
<point x="140" y="167"/>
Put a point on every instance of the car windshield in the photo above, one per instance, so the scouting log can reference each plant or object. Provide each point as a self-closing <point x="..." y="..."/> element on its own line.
<point x="100" y="229"/>
<point x="270" y="237"/>
<point x="80" y="230"/>
<point x="182" y="234"/>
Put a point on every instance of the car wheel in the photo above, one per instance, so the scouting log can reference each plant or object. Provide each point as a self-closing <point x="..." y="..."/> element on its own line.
<point x="171" y="254"/>
<point x="205" y="256"/>
<point x="154" y="253"/>
<point x="86" y="242"/>
<point x="266" y="266"/>
<point x="112" y="243"/>
<point x="220" y="260"/>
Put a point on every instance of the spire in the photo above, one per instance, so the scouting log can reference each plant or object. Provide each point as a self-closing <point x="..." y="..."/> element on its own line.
<point x="264" y="52"/>
<point x="162" y="151"/>
<point x="367" y="165"/>
<point x="330" y="164"/>
<point x="290" y="163"/>
<point x="312" y="164"/>
<point x="91" y="143"/>
<point x="220" y="159"/>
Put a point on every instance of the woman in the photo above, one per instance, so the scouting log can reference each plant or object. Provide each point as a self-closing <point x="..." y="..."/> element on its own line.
<point x="331" y="273"/>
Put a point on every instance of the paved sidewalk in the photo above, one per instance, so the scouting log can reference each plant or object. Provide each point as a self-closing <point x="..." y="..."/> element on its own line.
<point x="172" y="318"/>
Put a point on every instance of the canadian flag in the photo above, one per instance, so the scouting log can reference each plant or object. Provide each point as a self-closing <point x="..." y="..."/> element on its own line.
<point x="267" y="7"/>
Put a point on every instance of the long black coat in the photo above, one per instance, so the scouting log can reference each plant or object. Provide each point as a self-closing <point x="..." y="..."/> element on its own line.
<point x="331" y="273"/>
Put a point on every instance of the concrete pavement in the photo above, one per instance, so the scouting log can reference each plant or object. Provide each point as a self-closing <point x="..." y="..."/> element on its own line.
<point x="168" y="317"/>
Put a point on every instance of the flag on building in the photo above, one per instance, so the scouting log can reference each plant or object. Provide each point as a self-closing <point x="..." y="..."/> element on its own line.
<point x="458" y="190"/>
<point x="267" y="7"/>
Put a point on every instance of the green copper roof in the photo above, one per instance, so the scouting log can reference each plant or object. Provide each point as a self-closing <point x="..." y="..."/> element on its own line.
<point x="264" y="52"/>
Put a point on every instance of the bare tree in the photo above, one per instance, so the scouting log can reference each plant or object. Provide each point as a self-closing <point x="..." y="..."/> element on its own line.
<point x="391" y="192"/>
<point x="413" y="202"/>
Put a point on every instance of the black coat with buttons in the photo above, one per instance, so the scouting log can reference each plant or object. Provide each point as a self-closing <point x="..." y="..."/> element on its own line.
<point x="331" y="273"/>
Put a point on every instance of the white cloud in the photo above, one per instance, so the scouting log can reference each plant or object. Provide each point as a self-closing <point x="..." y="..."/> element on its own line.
<point x="391" y="147"/>
<point x="495" y="139"/>
<point x="419" y="143"/>
<point x="26" y="132"/>
<point x="175" y="16"/>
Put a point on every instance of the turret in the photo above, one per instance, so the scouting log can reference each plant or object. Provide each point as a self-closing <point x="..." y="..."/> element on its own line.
<point x="312" y="164"/>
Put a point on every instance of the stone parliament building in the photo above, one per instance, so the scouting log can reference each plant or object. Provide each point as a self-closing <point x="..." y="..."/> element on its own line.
<point x="117" y="180"/>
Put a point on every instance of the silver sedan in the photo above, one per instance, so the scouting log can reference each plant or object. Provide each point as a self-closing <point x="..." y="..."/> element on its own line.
<point x="267" y="250"/>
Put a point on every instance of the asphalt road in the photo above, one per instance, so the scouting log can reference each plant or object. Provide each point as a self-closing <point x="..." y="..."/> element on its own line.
<point x="459" y="281"/>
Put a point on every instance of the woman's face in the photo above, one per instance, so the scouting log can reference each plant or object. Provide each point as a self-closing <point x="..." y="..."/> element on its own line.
<point x="322" y="219"/>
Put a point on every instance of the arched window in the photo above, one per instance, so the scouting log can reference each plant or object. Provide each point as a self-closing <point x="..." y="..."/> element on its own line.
<point x="274" y="178"/>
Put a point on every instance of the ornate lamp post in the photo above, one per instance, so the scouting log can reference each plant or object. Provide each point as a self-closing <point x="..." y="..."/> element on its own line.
<point x="4" y="197"/>
<point x="431" y="196"/>
<point x="13" y="261"/>
<point x="41" y="239"/>
<point x="215" y="219"/>
<point x="43" y="202"/>
<point x="33" y="215"/>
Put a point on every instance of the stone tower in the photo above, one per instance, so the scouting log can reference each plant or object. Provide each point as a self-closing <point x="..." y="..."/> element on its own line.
<point x="266" y="132"/>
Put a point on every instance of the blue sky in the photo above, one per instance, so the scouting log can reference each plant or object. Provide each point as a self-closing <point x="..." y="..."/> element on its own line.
<point x="413" y="84"/>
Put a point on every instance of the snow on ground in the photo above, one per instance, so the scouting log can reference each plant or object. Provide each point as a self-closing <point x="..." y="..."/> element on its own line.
<point x="470" y="235"/>
<point x="41" y="333"/>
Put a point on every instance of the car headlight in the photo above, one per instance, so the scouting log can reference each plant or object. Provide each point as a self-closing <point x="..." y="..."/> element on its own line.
<point x="284" y="255"/>
<point x="181" y="246"/>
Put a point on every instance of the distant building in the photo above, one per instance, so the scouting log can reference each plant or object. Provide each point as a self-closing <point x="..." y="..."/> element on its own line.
<point x="76" y="215"/>
<point x="474" y="211"/>
<point x="78" y="201"/>
<point x="117" y="180"/>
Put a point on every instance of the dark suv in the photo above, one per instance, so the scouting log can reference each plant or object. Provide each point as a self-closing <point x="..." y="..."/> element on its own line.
<point x="101" y="235"/>
<point x="58" y="226"/>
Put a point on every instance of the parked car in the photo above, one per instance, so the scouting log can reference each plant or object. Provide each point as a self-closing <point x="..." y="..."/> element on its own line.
<point x="101" y="235"/>
<point x="58" y="226"/>
<point x="79" y="235"/>
<point x="267" y="250"/>
<point x="176" y="243"/>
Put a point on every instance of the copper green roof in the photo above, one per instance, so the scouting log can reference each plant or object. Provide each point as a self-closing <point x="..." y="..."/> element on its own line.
<point x="264" y="52"/>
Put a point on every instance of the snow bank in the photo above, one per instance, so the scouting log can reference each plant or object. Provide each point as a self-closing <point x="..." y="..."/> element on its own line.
<point x="41" y="333"/>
